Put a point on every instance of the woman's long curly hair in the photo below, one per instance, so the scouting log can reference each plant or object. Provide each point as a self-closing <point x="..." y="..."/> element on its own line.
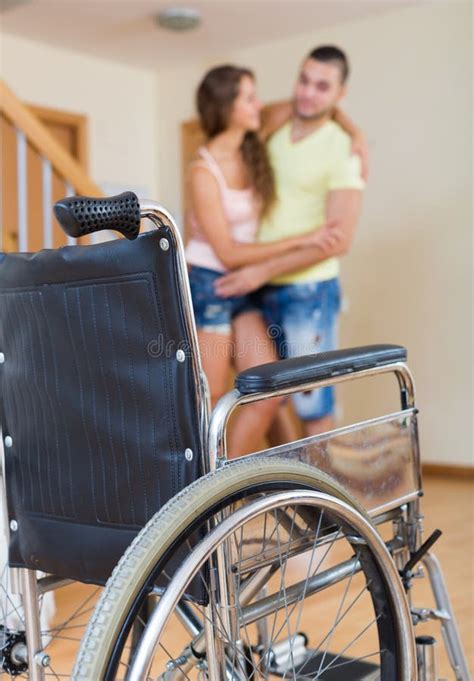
<point x="216" y="95"/>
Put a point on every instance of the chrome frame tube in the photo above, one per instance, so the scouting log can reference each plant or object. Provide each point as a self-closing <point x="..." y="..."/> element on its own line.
<point x="70" y="192"/>
<point x="162" y="219"/>
<point x="226" y="603"/>
<point x="217" y="445"/>
<point x="3" y="490"/>
<point x="29" y="595"/>
<point x="214" y="649"/>
<point x="426" y="659"/>
<point x="273" y="603"/>
<point x="449" y="626"/>
<point x="392" y="506"/>
<point x="51" y="583"/>
<point x="13" y="578"/>
<point x="188" y="619"/>
<point x="203" y="551"/>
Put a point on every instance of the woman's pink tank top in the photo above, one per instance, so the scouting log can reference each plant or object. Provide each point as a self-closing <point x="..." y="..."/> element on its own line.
<point x="241" y="208"/>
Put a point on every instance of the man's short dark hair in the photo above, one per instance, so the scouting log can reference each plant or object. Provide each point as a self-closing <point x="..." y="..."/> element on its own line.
<point x="332" y="54"/>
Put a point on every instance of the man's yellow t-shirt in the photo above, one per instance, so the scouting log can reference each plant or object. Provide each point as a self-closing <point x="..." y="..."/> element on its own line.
<point x="305" y="172"/>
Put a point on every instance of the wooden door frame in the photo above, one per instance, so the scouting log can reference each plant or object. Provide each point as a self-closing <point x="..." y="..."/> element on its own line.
<point x="189" y="129"/>
<point x="73" y="120"/>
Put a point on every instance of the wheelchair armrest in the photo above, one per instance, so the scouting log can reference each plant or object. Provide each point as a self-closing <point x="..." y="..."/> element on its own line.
<point x="302" y="370"/>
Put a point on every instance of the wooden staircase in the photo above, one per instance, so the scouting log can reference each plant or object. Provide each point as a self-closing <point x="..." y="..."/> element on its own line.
<point x="27" y="219"/>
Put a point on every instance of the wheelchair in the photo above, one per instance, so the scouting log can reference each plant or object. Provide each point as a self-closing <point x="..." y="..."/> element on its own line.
<point x="294" y="562"/>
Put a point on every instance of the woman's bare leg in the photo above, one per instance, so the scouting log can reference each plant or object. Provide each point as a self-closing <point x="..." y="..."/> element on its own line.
<point x="216" y="355"/>
<point x="253" y="347"/>
<point x="285" y="427"/>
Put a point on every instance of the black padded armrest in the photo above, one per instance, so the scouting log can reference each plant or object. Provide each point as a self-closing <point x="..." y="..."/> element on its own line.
<point x="300" y="370"/>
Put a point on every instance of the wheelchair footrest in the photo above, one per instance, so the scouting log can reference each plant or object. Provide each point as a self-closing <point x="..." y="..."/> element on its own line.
<point x="332" y="668"/>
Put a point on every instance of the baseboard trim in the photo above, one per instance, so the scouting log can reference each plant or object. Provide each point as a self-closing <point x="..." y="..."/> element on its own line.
<point x="447" y="470"/>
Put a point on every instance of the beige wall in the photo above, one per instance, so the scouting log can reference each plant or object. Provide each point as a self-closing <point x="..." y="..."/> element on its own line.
<point x="177" y="87"/>
<point x="409" y="277"/>
<point x="121" y="104"/>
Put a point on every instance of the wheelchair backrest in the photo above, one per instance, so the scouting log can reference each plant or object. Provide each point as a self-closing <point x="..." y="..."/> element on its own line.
<point x="99" y="408"/>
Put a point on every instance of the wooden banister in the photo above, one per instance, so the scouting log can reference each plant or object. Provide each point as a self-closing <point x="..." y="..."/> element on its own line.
<point x="44" y="142"/>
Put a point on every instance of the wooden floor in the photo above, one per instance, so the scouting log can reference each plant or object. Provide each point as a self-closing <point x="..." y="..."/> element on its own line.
<point x="449" y="505"/>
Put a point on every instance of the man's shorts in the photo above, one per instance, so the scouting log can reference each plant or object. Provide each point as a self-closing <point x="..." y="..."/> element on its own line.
<point x="303" y="319"/>
<point x="211" y="312"/>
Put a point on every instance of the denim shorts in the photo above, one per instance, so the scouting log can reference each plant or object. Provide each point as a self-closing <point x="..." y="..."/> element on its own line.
<point x="302" y="320"/>
<point x="211" y="312"/>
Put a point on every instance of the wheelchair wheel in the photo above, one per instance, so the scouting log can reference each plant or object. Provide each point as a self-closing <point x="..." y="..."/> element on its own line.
<point x="309" y="590"/>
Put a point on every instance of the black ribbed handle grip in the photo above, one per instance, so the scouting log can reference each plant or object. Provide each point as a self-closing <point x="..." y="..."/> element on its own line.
<point x="81" y="215"/>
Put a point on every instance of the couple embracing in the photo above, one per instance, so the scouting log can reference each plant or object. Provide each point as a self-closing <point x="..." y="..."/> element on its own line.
<point x="274" y="202"/>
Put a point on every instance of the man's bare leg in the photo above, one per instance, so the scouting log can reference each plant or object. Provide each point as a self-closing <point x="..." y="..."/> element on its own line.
<point x="251" y="422"/>
<point x="318" y="426"/>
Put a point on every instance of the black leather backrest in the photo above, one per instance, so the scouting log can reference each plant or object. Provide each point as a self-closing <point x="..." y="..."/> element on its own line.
<point x="99" y="410"/>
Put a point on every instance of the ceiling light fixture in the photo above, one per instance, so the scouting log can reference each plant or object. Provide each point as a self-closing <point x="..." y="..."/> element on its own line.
<point x="6" y="5"/>
<point x="179" y="18"/>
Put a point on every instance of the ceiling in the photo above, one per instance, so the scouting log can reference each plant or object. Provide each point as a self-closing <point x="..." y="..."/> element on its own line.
<point x="124" y="30"/>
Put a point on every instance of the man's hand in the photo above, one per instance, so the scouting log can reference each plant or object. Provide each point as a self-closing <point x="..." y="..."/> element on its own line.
<point x="328" y="239"/>
<point x="242" y="281"/>
<point x="360" y="147"/>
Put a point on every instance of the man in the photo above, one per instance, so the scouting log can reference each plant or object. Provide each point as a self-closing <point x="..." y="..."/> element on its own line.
<point x="318" y="182"/>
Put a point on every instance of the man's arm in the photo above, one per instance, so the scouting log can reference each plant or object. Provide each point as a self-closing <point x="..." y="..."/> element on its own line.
<point x="343" y="208"/>
<point x="342" y="212"/>
<point x="359" y="146"/>
<point x="207" y="205"/>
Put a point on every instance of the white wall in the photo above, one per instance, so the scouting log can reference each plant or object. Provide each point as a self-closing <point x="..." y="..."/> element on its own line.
<point x="409" y="277"/>
<point x="121" y="104"/>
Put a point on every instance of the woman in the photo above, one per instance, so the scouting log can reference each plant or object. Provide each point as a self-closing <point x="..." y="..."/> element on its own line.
<point x="231" y="188"/>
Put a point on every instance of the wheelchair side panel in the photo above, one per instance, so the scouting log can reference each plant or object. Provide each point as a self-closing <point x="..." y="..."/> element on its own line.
<point x="376" y="461"/>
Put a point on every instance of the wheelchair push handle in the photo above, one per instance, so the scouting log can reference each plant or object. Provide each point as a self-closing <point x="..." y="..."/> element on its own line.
<point x="81" y="215"/>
